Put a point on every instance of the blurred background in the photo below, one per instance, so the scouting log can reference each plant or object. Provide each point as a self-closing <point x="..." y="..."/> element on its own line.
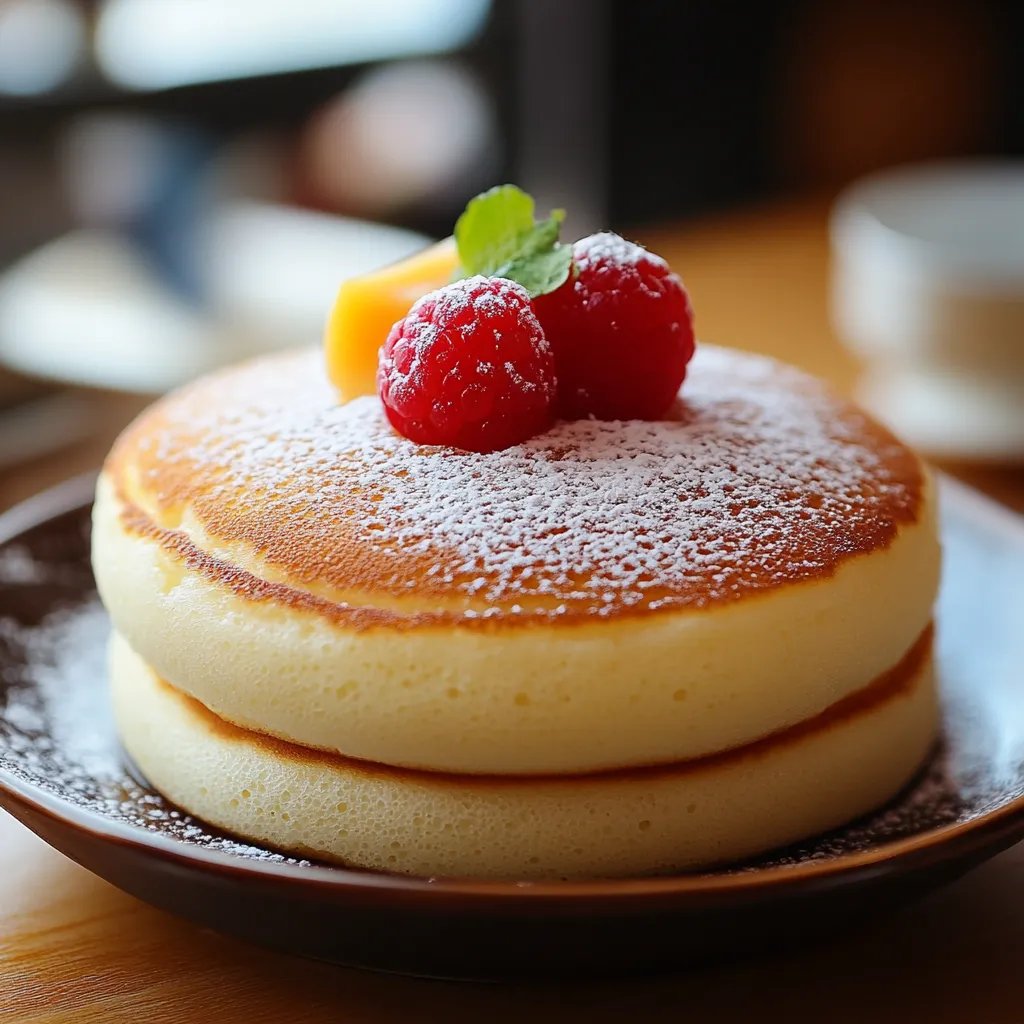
<point x="185" y="182"/>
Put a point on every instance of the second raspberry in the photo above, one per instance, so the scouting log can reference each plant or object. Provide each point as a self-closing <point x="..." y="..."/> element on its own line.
<point x="621" y="330"/>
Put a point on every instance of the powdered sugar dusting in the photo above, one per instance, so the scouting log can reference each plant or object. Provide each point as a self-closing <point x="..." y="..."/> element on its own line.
<point x="462" y="302"/>
<point x="56" y="729"/>
<point x="606" y="246"/>
<point x="759" y="477"/>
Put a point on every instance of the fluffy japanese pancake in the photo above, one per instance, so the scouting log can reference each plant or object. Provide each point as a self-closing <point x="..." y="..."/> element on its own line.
<point x="717" y="809"/>
<point x="607" y="595"/>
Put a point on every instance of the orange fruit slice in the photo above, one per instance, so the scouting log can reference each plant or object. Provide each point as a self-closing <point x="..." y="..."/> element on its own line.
<point x="367" y="308"/>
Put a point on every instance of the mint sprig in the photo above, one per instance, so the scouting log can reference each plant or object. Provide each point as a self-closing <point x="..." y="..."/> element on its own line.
<point x="497" y="236"/>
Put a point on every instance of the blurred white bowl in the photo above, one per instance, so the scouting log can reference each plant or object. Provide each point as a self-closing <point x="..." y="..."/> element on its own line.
<point x="928" y="287"/>
<point x="87" y="309"/>
<point x="39" y="426"/>
<point x="272" y="272"/>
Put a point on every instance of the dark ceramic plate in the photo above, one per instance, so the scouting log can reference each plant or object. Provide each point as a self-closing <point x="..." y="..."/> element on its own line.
<point x="62" y="774"/>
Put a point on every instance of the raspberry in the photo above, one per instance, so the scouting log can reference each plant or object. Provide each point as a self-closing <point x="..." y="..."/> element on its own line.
<point x="621" y="331"/>
<point x="469" y="367"/>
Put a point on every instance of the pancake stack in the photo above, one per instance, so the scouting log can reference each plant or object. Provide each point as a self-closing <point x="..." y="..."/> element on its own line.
<point x="619" y="648"/>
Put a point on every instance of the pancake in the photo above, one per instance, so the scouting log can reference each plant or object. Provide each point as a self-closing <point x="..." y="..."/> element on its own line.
<point x="606" y="595"/>
<point x="719" y="809"/>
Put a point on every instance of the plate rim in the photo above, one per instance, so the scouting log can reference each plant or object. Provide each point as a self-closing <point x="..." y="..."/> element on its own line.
<point x="995" y="829"/>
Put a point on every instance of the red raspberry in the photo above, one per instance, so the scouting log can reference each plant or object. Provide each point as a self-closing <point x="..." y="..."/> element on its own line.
<point x="469" y="367"/>
<point x="621" y="331"/>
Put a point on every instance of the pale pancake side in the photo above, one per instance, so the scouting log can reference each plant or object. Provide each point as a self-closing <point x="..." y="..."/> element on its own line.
<point x="616" y="824"/>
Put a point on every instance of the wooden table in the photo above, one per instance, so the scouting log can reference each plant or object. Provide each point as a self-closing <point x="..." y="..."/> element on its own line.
<point x="74" y="949"/>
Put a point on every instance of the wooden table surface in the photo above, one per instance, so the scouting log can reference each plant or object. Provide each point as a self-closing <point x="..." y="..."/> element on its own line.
<point x="74" y="949"/>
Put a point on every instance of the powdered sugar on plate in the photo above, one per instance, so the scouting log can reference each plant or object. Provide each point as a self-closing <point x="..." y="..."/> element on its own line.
<point x="17" y="566"/>
<point x="57" y="732"/>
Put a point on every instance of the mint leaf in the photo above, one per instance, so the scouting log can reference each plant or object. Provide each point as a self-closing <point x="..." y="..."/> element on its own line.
<point x="497" y="236"/>
<point x="540" y="238"/>
<point x="542" y="273"/>
<point x="489" y="231"/>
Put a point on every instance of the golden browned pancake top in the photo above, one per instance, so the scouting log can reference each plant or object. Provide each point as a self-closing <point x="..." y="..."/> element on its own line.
<point x="758" y="477"/>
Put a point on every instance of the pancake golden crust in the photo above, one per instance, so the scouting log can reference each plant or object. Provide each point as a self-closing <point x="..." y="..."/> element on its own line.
<point x="759" y="478"/>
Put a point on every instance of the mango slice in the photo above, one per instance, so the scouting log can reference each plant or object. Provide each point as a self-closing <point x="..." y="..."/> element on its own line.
<point x="367" y="308"/>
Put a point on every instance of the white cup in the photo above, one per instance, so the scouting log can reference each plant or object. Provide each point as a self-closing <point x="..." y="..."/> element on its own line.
<point x="928" y="288"/>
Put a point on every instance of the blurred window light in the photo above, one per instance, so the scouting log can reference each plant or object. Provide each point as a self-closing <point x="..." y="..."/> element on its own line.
<point x="158" y="44"/>
<point x="401" y="133"/>
<point x="41" y="42"/>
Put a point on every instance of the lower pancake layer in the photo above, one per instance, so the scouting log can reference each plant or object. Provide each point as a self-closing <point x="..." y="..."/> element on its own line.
<point x="811" y="778"/>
